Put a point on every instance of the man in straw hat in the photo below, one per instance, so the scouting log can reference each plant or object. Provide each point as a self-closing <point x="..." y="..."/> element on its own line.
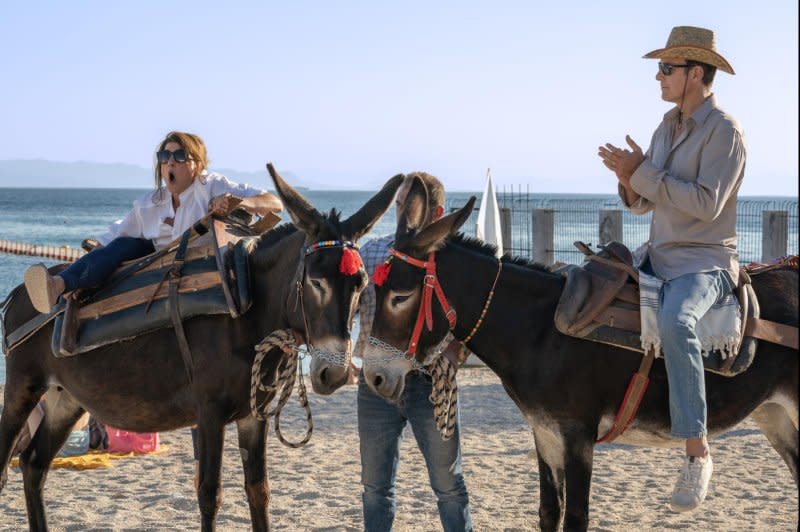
<point x="688" y="179"/>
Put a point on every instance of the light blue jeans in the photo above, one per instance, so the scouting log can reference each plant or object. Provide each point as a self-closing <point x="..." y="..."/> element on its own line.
<point x="684" y="300"/>
<point x="380" y="431"/>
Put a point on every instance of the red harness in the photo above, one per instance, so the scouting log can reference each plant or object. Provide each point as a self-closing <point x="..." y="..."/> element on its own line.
<point x="430" y="284"/>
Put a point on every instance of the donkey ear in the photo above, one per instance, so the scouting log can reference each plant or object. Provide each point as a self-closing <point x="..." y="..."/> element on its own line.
<point x="303" y="214"/>
<point x="432" y="237"/>
<point x="362" y="221"/>
<point x="415" y="211"/>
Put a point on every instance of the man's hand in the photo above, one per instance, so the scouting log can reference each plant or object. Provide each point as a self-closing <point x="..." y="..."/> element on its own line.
<point x="622" y="162"/>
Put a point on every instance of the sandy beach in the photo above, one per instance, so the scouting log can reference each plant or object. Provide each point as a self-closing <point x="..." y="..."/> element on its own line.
<point x="318" y="488"/>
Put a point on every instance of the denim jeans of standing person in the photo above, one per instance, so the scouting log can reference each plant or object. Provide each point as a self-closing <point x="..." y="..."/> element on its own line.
<point x="380" y="432"/>
<point x="684" y="300"/>
<point x="95" y="267"/>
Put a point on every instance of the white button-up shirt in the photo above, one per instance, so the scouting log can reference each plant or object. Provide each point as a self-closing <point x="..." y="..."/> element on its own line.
<point x="147" y="218"/>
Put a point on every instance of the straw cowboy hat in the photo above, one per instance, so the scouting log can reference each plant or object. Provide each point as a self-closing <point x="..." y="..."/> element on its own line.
<point x="695" y="44"/>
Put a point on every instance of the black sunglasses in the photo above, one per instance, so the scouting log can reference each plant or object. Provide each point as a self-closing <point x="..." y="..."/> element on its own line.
<point x="164" y="155"/>
<point x="666" y="68"/>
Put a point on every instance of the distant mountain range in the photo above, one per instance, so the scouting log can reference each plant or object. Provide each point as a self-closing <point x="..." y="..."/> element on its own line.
<point x="39" y="173"/>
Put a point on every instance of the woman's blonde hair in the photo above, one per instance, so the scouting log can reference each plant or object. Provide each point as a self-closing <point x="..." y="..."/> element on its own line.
<point x="195" y="150"/>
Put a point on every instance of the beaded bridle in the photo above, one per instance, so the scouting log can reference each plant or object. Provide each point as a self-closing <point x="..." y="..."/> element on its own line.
<point x="350" y="264"/>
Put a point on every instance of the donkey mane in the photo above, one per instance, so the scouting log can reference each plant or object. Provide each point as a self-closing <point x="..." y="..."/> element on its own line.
<point x="484" y="248"/>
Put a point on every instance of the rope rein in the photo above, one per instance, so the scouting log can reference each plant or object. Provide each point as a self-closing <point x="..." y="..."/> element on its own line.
<point x="284" y="383"/>
<point x="444" y="395"/>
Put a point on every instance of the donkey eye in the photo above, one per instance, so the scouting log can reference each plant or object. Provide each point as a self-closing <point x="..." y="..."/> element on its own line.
<point x="400" y="298"/>
<point x="316" y="284"/>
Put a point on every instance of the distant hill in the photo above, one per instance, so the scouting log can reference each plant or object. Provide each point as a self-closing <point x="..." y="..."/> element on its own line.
<point x="39" y="173"/>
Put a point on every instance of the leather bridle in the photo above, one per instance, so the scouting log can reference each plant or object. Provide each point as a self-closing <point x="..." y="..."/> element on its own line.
<point x="336" y="358"/>
<point x="431" y="284"/>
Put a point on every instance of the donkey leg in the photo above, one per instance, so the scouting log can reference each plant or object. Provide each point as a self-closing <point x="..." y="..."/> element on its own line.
<point x="252" y="446"/>
<point x="579" y="454"/>
<point x="211" y="433"/>
<point x="19" y="401"/>
<point x="61" y="413"/>
<point x="551" y="477"/>
<point x="781" y="431"/>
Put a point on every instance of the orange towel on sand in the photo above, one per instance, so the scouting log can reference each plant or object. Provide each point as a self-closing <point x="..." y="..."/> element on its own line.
<point x="92" y="460"/>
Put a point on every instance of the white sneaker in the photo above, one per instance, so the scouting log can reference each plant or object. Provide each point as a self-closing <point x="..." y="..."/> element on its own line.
<point x="692" y="485"/>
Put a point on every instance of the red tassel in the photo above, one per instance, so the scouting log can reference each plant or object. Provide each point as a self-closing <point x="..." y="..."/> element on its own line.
<point x="381" y="273"/>
<point x="350" y="263"/>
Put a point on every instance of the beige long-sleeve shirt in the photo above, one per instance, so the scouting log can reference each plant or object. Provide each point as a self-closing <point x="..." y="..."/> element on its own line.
<point x="691" y="186"/>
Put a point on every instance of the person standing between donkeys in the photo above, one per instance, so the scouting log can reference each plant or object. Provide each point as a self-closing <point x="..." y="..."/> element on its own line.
<point x="185" y="192"/>
<point x="381" y="423"/>
<point x="689" y="179"/>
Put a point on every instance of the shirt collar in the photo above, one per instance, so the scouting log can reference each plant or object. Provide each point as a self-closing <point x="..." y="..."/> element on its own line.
<point x="196" y="182"/>
<point x="701" y="113"/>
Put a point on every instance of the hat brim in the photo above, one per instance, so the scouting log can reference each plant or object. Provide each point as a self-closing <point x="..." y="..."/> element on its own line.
<point x="693" y="53"/>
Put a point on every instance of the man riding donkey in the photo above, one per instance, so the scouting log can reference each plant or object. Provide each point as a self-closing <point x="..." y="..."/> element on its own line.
<point x="689" y="179"/>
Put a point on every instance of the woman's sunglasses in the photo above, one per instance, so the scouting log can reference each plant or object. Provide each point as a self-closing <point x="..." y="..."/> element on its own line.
<point x="164" y="155"/>
<point x="666" y="68"/>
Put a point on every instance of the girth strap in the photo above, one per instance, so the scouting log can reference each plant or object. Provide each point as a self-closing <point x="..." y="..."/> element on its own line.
<point x="633" y="396"/>
<point x="174" y="308"/>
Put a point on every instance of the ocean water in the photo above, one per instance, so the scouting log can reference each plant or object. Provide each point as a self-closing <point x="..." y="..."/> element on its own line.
<point x="67" y="216"/>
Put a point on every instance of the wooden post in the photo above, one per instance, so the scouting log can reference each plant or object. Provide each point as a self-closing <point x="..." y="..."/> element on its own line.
<point x="610" y="225"/>
<point x="774" y="234"/>
<point x="542" y="248"/>
<point x="505" y="228"/>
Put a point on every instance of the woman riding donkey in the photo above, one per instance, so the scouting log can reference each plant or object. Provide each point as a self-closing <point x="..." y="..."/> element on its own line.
<point x="156" y="220"/>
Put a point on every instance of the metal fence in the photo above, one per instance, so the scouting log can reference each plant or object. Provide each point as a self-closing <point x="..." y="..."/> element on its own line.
<point x="576" y="217"/>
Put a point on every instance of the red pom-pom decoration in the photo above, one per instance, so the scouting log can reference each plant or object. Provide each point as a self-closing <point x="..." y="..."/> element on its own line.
<point x="381" y="273"/>
<point x="350" y="263"/>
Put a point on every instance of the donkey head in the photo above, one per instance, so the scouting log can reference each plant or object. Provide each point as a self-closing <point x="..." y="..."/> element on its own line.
<point x="330" y="277"/>
<point x="394" y="349"/>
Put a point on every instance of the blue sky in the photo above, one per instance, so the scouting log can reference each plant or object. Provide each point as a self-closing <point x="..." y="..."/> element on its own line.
<point x="353" y="92"/>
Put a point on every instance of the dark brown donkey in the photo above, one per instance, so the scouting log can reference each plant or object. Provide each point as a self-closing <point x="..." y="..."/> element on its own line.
<point x="568" y="389"/>
<point x="141" y="384"/>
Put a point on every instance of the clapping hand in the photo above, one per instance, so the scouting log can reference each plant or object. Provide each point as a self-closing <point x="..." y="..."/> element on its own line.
<point x="622" y="162"/>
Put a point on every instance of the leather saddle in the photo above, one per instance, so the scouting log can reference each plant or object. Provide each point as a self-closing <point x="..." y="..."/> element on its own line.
<point x="203" y="273"/>
<point x="600" y="302"/>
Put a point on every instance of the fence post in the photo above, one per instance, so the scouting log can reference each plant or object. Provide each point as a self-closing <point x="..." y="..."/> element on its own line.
<point x="774" y="234"/>
<point x="505" y="228"/>
<point x="610" y="224"/>
<point x="542" y="249"/>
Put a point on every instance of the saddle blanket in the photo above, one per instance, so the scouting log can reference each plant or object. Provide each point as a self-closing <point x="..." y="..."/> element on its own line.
<point x="719" y="330"/>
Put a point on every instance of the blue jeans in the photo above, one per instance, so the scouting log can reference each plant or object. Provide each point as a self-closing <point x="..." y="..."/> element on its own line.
<point x="95" y="267"/>
<point x="684" y="300"/>
<point x="380" y="431"/>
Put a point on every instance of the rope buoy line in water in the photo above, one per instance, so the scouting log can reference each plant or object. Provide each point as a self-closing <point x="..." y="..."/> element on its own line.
<point x="63" y="253"/>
